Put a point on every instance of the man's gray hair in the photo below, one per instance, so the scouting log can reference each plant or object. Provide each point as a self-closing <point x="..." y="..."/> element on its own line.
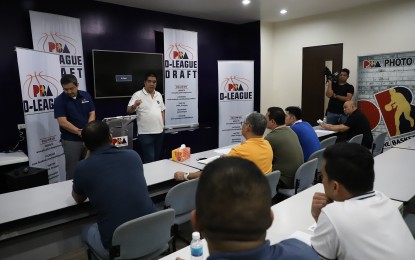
<point x="257" y="122"/>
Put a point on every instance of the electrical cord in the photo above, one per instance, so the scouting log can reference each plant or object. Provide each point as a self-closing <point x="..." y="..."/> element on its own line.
<point x="21" y="138"/>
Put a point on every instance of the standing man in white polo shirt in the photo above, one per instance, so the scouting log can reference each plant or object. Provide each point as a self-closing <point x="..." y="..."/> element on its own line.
<point x="148" y="104"/>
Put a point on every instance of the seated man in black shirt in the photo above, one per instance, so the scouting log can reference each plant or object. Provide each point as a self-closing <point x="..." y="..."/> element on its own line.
<point x="356" y="124"/>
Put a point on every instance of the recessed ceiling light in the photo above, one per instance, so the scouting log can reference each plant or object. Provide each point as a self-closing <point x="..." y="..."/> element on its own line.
<point x="283" y="11"/>
<point x="246" y="2"/>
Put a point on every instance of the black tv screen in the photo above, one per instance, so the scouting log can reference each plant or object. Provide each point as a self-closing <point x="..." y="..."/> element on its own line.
<point x="120" y="74"/>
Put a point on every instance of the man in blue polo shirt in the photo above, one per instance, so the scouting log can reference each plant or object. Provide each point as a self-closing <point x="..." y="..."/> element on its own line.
<point x="73" y="110"/>
<point x="305" y="132"/>
<point x="113" y="181"/>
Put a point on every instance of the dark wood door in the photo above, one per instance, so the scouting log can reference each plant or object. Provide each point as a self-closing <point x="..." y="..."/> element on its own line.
<point x="313" y="81"/>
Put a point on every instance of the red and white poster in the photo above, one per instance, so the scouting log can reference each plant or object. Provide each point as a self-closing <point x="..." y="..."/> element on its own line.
<point x="39" y="80"/>
<point x="386" y="85"/>
<point x="236" y="99"/>
<point x="181" y="78"/>
<point x="61" y="35"/>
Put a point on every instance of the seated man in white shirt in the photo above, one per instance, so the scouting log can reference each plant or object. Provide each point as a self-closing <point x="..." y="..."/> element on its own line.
<point x="361" y="223"/>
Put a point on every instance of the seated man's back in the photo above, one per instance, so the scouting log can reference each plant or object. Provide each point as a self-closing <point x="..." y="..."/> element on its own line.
<point x="257" y="150"/>
<point x="288" y="154"/>
<point x="305" y="132"/>
<point x="113" y="180"/>
<point x="307" y="137"/>
<point x="233" y="213"/>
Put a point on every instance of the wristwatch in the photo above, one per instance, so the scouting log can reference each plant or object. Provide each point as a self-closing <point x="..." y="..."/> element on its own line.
<point x="186" y="175"/>
<point x="334" y="96"/>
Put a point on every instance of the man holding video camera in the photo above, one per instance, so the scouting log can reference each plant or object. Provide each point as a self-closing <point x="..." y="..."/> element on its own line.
<point x="339" y="91"/>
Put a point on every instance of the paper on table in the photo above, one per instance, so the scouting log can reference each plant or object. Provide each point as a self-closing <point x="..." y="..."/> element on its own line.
<point x="208" y="160"/>
<point x="325" y="131"/>
<point x="302" y="236"/>
<point x="223" y="150"/>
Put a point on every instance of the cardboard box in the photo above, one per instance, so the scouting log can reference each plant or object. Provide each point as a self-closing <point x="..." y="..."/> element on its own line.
<point x="180" y="154"/>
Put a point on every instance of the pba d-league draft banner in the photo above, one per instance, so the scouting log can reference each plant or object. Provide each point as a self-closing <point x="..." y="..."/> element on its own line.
<point x="39" y="81"/>
<point x="236" y="98"/>
<point x="181" y="78"/>
<point x="386" y="85"/>
<point x="62" y="35"/>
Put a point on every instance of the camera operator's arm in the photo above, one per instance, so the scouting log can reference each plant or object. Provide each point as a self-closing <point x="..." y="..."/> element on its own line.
<point x="345" y="98"/>
<point x="329" y="89"/>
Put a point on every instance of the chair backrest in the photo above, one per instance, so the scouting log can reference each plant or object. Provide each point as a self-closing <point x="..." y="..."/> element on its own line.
<point x="182" y="198"/>
<point x="329" y="141"/>
<point x="304" y="176"/>
<point x="273" y="178"/>
<point x="319" y="155"/>
<point x="142" y="236"/>
<point x="356" y="139"/>
<point x="378" y="143"/>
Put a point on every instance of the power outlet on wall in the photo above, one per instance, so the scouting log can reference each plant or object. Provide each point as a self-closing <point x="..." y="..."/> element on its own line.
<point x="21" y="126"/>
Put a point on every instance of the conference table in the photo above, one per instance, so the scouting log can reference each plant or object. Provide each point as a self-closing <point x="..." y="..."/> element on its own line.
<point x="194" y="160"/>
<point x="408" y="144"/>
<point x="292" y="218"/>
<point x="41" y="207"/>
<point x="323" y="133"/>
<point x="13" y="158"/>
<point x="395" y="172"/>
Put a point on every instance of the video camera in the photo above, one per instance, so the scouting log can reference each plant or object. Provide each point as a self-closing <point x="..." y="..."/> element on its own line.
<point x="333" y="77"/>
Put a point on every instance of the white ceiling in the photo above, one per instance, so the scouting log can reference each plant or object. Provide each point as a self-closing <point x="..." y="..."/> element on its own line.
<point x="232" y="11"/>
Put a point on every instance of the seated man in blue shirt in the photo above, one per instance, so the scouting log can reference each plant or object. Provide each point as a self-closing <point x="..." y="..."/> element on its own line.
<point x="233" y="213"/>
<point x="113" y="180"/>
<point x="305" y="132"/>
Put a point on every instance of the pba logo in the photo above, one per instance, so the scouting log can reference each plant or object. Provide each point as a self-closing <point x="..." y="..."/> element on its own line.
<point x="236" y="88"/>
<point x="41" y="85"/>
<point x="371" y="64"/>
<point x="57" y="43"/>
<point x="120" y="141"/>
<point x="178" y="51"/>
<point x="397" y="110"/>
<point x="41" y="90"/>
<point x="235" y="83"/>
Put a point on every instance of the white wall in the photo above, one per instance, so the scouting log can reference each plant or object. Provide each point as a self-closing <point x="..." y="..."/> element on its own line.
<point x="375" y="29"/>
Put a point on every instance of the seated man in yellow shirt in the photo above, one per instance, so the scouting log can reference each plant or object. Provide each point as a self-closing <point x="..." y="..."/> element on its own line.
<point x="255" y="148"/>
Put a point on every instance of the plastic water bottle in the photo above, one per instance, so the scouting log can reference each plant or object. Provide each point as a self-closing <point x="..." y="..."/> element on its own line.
<point x="196" y="247"/>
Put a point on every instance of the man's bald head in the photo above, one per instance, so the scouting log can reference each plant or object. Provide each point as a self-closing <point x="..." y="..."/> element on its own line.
<point x="349" y="107"/>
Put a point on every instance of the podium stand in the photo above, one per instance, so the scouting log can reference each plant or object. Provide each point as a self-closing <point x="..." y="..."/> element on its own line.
<point x="122" y="129"/>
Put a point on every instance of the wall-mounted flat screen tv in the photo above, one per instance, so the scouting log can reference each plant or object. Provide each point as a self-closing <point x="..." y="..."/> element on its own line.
<point x="120" y="74"/>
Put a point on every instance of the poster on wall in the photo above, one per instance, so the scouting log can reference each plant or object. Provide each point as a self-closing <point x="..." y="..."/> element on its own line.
<point x="386" y="85"/>
<point x="62" y="35"/>
<point x="236" y="99"/>
<point x="181" y="78"/>
<point x="39" y="81"/>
